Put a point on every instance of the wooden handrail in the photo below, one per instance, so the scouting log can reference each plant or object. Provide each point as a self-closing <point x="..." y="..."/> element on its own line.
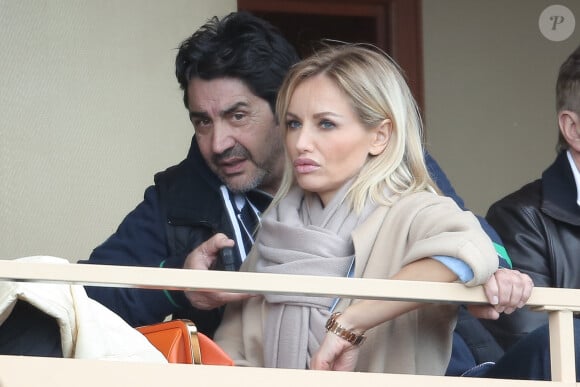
<point x="179" y="279"/>
<point x="15" y="370"/>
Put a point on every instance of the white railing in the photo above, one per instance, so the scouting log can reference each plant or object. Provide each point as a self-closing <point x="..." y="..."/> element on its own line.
<point x="26" y="371"/>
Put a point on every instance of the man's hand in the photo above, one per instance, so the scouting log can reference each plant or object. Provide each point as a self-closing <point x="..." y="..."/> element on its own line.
<point x="203" y="257"/>
<point x="335" y="354"/>
<point x="506" y="290"/>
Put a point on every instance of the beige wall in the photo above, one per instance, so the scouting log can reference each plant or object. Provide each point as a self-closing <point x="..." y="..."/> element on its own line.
<point x="89" y="109"/>
<point x="489" y="90"/>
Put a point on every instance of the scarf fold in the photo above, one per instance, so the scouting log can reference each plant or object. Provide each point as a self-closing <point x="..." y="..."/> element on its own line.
<point x="300" y="236"/>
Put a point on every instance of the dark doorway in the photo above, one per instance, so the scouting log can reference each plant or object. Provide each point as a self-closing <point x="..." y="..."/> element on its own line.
<point x="392" y="25"/>
<point x="313" y="28"/>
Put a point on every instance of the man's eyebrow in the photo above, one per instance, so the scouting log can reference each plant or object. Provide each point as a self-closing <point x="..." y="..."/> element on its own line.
<point x="233" y="108"/>
<point x="197" y="115"/>
<point x="222" y="113"/>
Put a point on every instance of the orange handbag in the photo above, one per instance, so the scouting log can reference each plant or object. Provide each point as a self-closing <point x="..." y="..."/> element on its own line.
<point x="180" y="342"/>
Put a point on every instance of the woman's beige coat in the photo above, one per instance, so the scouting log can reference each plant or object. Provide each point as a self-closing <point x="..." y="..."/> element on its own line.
<point x="419" y="342"/>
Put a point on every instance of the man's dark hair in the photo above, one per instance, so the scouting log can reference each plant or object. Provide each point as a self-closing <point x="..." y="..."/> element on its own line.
<point x="568" y="90"/>
<point x="240" y="46"/>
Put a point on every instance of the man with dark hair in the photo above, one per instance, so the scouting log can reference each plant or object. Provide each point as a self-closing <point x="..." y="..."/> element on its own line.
<point x="230" y="71"/>
<point x="540" y="222"/>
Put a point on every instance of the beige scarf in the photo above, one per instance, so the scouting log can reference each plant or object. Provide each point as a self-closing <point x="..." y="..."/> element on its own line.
<point x="300" y="236"/>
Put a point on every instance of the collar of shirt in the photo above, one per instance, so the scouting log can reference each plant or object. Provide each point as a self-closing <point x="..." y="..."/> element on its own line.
<point x="239" y="200"/>
<point x="576" y="174"/>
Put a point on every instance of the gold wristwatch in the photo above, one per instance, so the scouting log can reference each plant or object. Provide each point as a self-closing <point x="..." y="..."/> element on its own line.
<point x="333" y="326"/>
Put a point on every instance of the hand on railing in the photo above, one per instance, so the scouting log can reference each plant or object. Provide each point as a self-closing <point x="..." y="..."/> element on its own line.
<point x="506" y="290"/>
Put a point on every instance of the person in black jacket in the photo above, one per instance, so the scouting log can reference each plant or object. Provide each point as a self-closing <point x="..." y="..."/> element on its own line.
<point x="230" y="71"/>
<point x="540" y="222"/>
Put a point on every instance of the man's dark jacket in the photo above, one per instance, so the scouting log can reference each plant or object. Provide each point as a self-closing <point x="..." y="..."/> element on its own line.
<point x="183" y="209"/>
<point x="540" y="227"/>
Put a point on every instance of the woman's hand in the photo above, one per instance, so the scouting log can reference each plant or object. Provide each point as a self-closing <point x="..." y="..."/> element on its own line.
<point x="335" y="354"/>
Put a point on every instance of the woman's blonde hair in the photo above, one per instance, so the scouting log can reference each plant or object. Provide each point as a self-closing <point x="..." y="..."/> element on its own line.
<point x="377" y="91"/>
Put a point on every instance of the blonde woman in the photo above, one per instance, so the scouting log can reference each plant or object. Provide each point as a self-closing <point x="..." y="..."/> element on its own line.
<point x="356" y="200"/>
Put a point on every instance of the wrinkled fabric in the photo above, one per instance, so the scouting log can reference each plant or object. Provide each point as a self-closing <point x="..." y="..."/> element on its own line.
<point x="416" y="226"/>
<point x="88" y="330"/>
<point x="302" y="237"/>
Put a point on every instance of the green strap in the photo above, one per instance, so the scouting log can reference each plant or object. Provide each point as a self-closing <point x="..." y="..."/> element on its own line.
<point x="502" y="252"/>
<point x="166" y="292"/>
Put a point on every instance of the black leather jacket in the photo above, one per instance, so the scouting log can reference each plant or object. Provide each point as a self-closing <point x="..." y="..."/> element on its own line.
<point x="540" y="227"/>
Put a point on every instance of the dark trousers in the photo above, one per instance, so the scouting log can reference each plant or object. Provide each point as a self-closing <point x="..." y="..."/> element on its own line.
<point x="29" y="331"/>
<point x="529" y="358"/>
<point x="473" y="346"/>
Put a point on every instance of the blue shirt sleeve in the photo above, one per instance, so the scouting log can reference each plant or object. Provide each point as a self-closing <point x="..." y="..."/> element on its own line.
<point x="445" y="186"/>
<point x="457" y="266"/>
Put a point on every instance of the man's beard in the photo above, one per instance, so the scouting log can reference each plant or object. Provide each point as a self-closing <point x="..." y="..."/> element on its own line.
<point x="254" y="181"/>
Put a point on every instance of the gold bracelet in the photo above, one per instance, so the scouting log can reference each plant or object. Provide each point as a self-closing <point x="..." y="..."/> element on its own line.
<point x="333" y="326"/>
